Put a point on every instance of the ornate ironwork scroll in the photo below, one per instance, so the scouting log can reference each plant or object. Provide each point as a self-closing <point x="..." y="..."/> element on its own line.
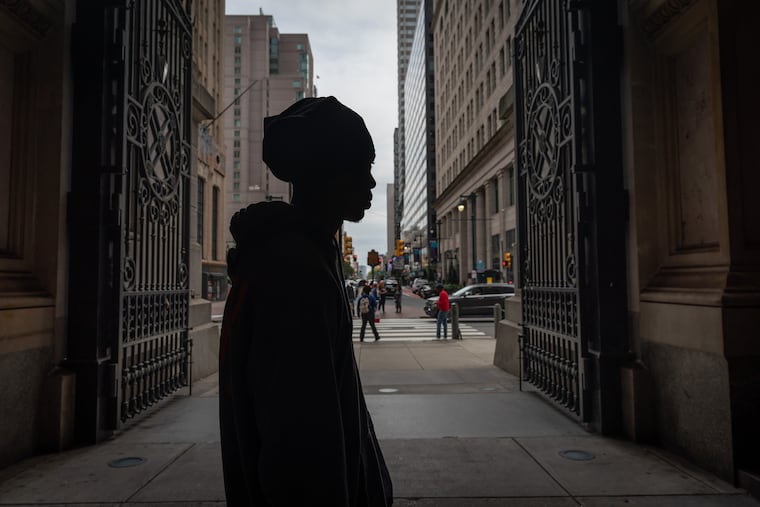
<point x="154" y="345"/>
<point x="549" y="126"/>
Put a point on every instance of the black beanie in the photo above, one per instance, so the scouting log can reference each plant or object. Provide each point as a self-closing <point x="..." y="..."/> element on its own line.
<point x="312" y="136"/>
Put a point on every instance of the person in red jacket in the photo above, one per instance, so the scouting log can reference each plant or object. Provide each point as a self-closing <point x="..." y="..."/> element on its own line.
<point x="443" y="313"/>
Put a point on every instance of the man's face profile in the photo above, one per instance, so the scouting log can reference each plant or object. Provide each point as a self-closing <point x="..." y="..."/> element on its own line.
<point x="354" y="191"/>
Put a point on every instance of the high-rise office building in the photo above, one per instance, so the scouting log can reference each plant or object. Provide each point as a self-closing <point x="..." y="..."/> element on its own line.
<point x="475" y="180"/>
<point x="265" y="71"/>
<point x="418" y="217"/>
<point x="406" y="22"/>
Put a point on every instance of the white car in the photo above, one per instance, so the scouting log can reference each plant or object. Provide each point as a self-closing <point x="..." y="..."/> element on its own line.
<point x="417" y="283"/>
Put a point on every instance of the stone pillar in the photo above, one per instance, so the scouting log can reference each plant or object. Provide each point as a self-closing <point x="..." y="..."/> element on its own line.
<point x="488" y="206"/>
<point x="481" y="235"/>
<point x="690" y="123"/>
<point x="465" y="242"/>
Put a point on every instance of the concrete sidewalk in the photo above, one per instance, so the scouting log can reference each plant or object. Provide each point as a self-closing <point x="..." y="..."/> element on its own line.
<point x="455" y="430"/>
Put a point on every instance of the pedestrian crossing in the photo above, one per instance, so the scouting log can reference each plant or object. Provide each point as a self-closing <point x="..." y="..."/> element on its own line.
<point x="410" y="330"/>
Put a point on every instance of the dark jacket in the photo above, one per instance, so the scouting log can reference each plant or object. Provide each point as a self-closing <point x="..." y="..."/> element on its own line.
<point x="294" y="424"/>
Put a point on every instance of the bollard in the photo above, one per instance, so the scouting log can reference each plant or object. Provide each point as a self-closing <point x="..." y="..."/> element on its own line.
<point x="455" y="333"/>
<point x="497" y="316"/>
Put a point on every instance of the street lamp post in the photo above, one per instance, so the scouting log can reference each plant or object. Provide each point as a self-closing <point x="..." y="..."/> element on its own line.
<point x="461" y="207"/>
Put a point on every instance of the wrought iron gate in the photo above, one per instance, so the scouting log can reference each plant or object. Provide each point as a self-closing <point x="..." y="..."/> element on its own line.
<point x="559" y="162"/>
<point x="154" y="345"/>
<point x="131" y="177"/>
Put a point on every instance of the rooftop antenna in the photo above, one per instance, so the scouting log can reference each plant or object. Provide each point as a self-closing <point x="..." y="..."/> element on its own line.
<point x="261" y="11"/>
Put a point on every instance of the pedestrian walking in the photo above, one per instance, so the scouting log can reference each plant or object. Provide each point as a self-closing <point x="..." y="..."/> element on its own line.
<point x="383" y="293"/>
<point x="285" y="356"/>
<point x="442" y="319"/>
<point x="365" y="308"/>
<point x="397" y="297"/>
<point x="350" y="296"/>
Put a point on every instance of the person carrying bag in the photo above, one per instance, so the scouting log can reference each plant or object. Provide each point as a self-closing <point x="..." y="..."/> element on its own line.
<point x="366" y="309"/>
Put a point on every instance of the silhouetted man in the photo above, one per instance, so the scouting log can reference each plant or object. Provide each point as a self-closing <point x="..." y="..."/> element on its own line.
<point x="294" y="424"/>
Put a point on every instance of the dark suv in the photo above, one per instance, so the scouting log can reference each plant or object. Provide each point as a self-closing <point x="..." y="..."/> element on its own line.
<point x="476" y="299"/>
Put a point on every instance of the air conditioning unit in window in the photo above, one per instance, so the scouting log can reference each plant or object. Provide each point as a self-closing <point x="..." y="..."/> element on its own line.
<point x="507" y="103"/>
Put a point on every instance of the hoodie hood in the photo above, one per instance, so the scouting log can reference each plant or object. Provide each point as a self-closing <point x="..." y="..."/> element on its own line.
<point x="269" y="223"/>
<point x="262" y="220"/>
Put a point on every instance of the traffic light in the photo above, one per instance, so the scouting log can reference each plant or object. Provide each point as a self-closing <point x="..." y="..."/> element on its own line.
<point x="372" y="258"/>
<point x="348" y="247"/>
<point x="399" y="247"/>
<point x="507" y="262"/>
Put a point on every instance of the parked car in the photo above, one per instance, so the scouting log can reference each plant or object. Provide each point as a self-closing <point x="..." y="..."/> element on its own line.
<point x="476" y="299"/>
<point x="390" y="285"/>
<point x="417" y="283"/>
<point x="427" y="291"/>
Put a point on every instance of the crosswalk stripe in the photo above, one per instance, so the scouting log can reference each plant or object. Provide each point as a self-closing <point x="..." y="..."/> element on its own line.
<point x="410" y="330"/>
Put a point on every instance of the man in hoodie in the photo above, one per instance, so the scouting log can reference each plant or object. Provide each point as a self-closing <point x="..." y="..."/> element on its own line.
<point x="294" y="424"/>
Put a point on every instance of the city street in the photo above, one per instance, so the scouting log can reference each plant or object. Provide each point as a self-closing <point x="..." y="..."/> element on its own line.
<point x="411" y="324"/>
<point x="455" y="430"/>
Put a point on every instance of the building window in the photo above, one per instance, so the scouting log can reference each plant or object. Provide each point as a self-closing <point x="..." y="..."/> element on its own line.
<point x="237" y="133"/>
<point x="236" y="197"/>
<point x="236" y="164"/>
<point x="237" y="50"/>
<point x="496" y="252"/>
<point x="510" y="246"/>
<point x="237" y="29"/>
<point x="237" y="112"/>
<point x="237" y="60"/>
<point x="236" y="186"/>
<point x="510" y="241"/>
<point x="511" y="173"/>
<point x="236" y="154"/>
<point x="236" y="143"/>
<point x="237" y="122"/>
<point x="237" y="71"/>
<point x="201" y="192"/>
<point x="215" y="223"/>
<point x="236" y="175"/>
<point x="296" y="84"/>
<point x="238" y="39"/>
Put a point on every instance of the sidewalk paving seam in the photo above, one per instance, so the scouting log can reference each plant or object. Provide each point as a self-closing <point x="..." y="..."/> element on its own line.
<point x="699" y="477"/>
<point x="547" y="472"/>
<point x="411" y="352"/>
<point x="130" y="497"/>
<point x="683" y="470"/>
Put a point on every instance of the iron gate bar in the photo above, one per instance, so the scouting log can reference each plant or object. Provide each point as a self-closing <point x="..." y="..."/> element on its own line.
<point x="570" y="201"/>
<point x="548" y="139"/>
<point x="128" y="215"/>
<point x="154" y="344"/>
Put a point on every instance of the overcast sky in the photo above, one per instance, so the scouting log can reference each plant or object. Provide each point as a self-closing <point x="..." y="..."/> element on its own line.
<point x="354" y="47"/>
